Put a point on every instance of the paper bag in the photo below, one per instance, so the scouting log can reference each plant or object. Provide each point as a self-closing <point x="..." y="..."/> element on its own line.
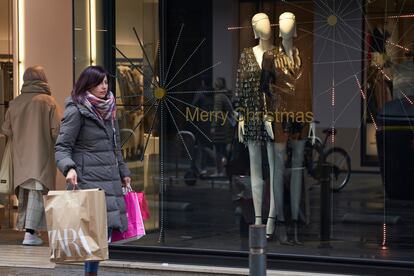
<point x="6" y="171"/>
<point x="136" y="229"/>
<point x="77" y="225"/>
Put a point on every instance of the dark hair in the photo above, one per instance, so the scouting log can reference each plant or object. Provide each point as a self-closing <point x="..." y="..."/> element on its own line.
<point x="220" y="84"/>
<point x="91" y="77"/>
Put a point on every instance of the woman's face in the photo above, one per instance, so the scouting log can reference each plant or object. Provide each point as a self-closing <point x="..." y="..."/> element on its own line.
<point x="101" y="89"/>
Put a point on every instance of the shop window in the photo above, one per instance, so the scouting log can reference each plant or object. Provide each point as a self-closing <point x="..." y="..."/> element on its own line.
<point x="310" y="75"/>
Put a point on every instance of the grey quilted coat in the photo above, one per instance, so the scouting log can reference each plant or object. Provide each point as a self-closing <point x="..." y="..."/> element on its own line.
<point x="87" y="144"/>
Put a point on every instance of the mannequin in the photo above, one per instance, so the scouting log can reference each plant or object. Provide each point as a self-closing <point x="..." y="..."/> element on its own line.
<point x="256" y="131"/>
<point x="283" y="81"/>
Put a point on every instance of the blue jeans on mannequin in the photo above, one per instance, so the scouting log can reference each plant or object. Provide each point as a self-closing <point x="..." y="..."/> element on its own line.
<point x="92" y="267"/>
<point x="298" y="148"/>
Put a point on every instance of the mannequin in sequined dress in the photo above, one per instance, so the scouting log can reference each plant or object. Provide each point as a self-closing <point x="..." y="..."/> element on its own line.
<point x="286" y="83"/>
<point x="253" y="129"/>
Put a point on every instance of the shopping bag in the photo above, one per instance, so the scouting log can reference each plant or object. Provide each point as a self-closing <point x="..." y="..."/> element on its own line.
<point x="136" y="229"/>
<point x="6" y="170"/>
<point x="143" y="204"/>
<point x="77" y="225"/>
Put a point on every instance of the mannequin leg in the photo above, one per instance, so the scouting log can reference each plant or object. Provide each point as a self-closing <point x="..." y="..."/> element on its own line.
<point x="256" y="176"/>
<point x="298" y="148"/>
<point x="279" y="151"/>
<point x="279" y="170"/>
<point x="270" y="226"/>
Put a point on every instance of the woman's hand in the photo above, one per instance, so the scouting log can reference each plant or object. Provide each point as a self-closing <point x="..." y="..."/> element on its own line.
<point x="72" y="177"/>
<point x="126" y="182"/>
<point x="241" y="130"/>
<point x="269" y="130"/>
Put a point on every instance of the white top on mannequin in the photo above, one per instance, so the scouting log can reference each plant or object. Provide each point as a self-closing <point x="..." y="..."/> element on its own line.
<point x="263" y="32"/>
<point x="287" y="31"/>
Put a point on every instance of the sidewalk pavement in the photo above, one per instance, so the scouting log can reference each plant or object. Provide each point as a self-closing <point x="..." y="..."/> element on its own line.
<point x="17" y="259"/>
<point x="8" y="271"/>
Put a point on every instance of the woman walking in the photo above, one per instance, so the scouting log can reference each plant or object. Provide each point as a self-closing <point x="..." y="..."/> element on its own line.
<point x="32" y="123"/>
<point x="88" y="150"/>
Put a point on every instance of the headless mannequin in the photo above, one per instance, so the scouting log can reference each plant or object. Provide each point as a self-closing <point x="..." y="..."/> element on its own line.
<point x="262" y="31"/>
<point x="287" y="25"/>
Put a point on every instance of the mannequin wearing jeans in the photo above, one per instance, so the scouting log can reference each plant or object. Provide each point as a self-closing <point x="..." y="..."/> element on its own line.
<point x="286" y="82"/>
<point x="255" y="131"/>
<point x="298" y="147"/>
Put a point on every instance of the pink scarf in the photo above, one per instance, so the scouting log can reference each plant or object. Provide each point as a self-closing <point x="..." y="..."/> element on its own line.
<point x="104" y="109"/>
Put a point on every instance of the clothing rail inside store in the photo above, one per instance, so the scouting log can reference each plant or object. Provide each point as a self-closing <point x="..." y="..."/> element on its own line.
<point x="127" y="62"/>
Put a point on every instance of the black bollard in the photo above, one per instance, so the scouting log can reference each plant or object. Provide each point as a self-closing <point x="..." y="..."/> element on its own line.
<point x="326" y="207"/>
<point x="258" y="245"/>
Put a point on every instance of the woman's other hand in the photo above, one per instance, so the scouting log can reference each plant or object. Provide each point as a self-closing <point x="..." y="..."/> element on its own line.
<point x="126" y="182"/>
<point x="72" y="177"/>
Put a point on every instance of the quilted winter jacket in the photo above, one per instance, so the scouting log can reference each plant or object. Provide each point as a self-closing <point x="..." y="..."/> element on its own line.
<point x="87" y="144"/>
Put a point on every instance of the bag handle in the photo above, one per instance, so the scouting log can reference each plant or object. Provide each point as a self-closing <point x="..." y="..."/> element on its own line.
<point x="126" y="190"/>
<point x="75" y="187"/>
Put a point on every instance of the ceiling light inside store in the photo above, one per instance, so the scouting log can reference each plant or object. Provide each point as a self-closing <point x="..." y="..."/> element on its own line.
<point x="401" y="16"/>
<point x="398" y="46"/>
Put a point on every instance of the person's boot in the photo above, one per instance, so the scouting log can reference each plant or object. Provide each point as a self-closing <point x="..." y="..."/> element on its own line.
<point x="91" y="273"/>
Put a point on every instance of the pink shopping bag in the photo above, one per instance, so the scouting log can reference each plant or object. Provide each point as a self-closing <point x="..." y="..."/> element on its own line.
<point x="143" y="204"/>
<point x="136" y="229"/>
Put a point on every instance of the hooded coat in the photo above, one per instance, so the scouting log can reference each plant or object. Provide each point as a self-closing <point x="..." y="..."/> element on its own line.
<point x="92" y="147"/>
<point x="32" y="123"/>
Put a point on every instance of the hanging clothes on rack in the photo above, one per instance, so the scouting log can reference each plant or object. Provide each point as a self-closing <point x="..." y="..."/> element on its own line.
<point x="130" y="82"/>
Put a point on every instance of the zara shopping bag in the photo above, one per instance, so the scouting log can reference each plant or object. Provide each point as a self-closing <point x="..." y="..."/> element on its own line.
<point x="77" y="225"/>
<point x="6" y="171"/>
<point x="136" y="229"/>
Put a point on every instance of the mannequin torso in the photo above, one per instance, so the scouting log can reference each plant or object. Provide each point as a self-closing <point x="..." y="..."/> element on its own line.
<point x="260" y="49"/>
<point x="287" y="84"/>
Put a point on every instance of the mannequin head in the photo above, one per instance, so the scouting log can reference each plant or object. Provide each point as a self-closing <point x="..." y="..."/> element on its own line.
<point x="287" y="25"/>
<point x="261" y="26"/>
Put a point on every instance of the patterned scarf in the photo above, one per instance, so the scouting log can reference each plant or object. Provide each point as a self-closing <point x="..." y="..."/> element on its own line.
<point x="104" y="109"/>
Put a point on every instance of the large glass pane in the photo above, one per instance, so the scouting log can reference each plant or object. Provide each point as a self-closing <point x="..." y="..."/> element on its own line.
<point x="137" y="71"/>
<point x="316" y="196"/>
<point x="6" y="95"/>
<point x="295" y="115"/>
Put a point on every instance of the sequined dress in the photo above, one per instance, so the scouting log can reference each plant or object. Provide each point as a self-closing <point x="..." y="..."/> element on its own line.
<point x="287" y="83"/>
<point x="249" y="99"/>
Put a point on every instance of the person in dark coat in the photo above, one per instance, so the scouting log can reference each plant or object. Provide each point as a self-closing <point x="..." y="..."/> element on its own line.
<point x="222" y="131"/>
<point x="88" y="150"/>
